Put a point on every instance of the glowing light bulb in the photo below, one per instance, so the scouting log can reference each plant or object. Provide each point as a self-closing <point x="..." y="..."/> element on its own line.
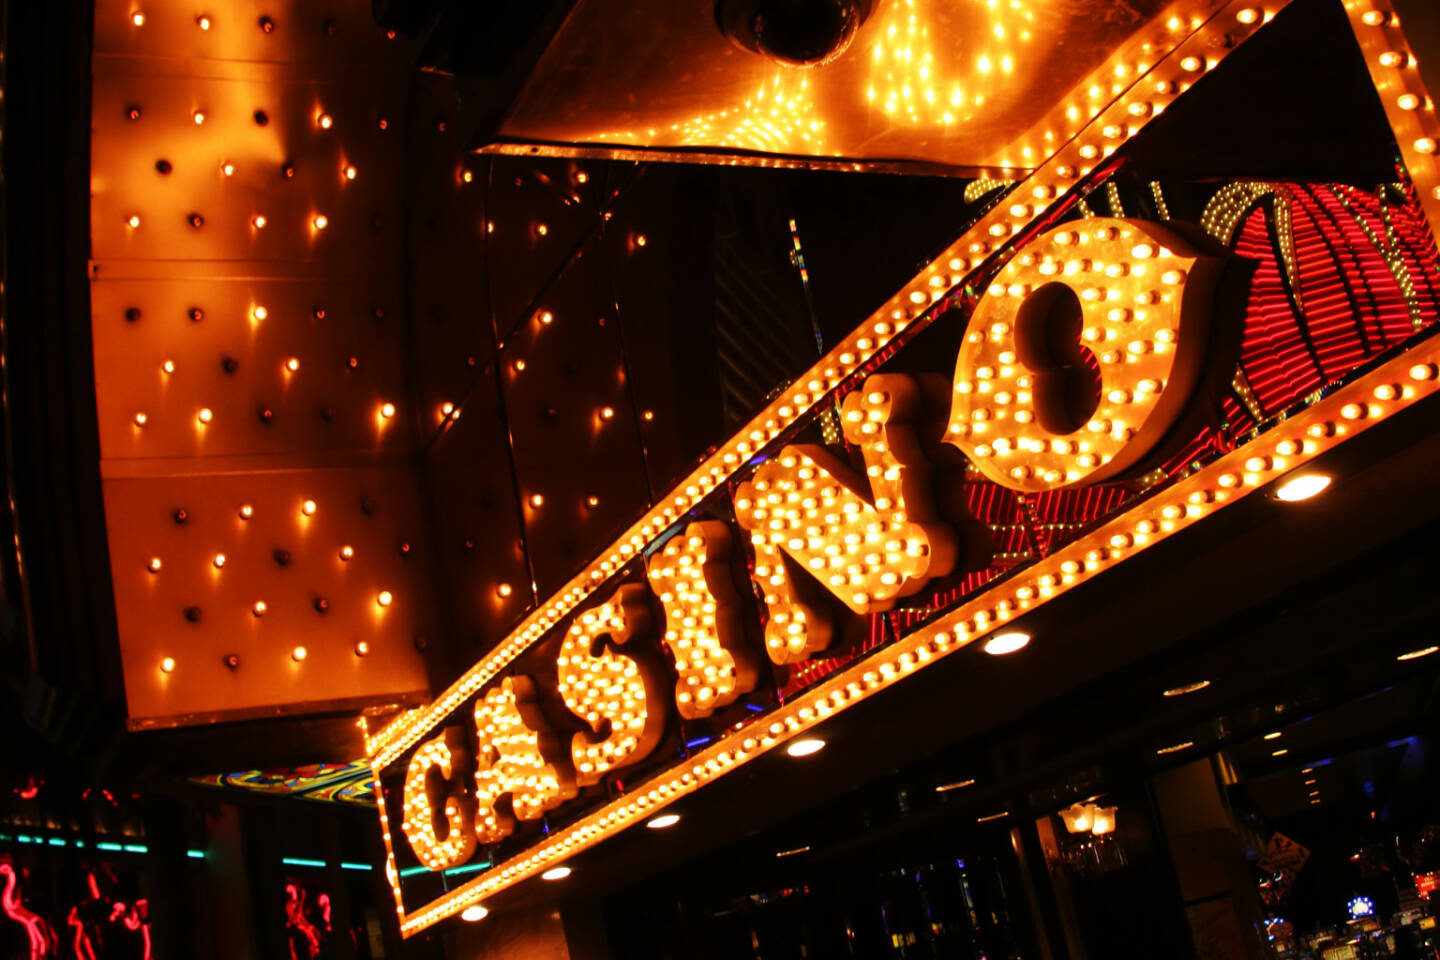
<point x="384" y="597"/>
<point x="541" y="229"/>
<point x="168" y="366"/>
<point x="555" y="873"/>
<point x="292" y="364"/>
<point x="663" y="821"/>
<point x="320" y="222"/>
<point x="592" y="502"/>
<point x="168" y="664"/>
<point x="805" y="747"/>
<point x="259" y="221"/>
<point x="308" y="508"/>
<point x="246" y="511"/>
<point x="1302" y="487"/>
<point x="227" y="168"/>
<point x="299" y="653"/>
<point x="219" y="560"/>
<point x="203" y="22"/>
<point x="1006" y="643"/>
<point x="582" y="177"/>
<point x="154" y="565"/>
<point x="349" y="172"/>
<point x="362" y="648"/>
<point x="640" y="240"/>
<point x="1417" y="654"/>
<point x="260" y="313"/>
<point x="606" y="413"/>
<point x="648" y="415"/>
<point x="133" y="222"/>
<point x="387" y="410"/>
<point x="467" y="177"/>
<point x="258" y="608"/>
<point x="536" y="500"/>
<point x="138" y="19"/>
<point x="473" y="913"/>
<point x="198" y="116"/>
<point x="140" y="419"/>
<point x="546" y="317"/>
<point x="347" y="552"/>
<point x="205" y="415"/>
<point x="326" y="121"/>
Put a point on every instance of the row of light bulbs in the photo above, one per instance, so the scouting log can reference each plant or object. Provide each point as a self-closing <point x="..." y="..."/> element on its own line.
<point x="1050" y="182"/>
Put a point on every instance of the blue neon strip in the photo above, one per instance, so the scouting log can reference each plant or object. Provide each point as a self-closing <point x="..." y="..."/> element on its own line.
<point x="57" y="841"/>
<point x="300" y="862"/>
<point x="195" y="854"/>
<point x="108" y="846"/>
<point x="354" y="866"/>
<point x="468" y="868"/>
<point x="136" y="848"/>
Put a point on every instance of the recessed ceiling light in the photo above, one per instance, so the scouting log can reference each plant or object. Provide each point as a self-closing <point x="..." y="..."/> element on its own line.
<point x="555" y="873"/>
<point x="1176" y="747"/>
<point x="1417" y="654"/>
<point x="958" y="784"/>
<point x="1273" y="735"/>
<point x="1004" y="643"/>
<point x="472" y="913"/>
<point x="1185" y="688"/>
<point x="663" y="821"/>
<point x="1302" y="487"/>
<point x="803" y="748"/>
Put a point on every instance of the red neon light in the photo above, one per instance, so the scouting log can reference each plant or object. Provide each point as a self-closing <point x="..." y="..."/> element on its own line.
<point x="1425" y="883"/>
<point x="42" y="939"/>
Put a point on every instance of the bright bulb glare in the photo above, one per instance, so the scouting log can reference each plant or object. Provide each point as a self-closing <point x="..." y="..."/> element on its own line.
<point x="555" y="873"/>
<point x="472" y="913"/>
<point x="1302" y="488"/>
<point x="1417" y="654"/>
<point x="1006" y="643"/>
<point x="803" y="748"/>
<point x="663" y="821"/>
<point x="1180" y="691"/>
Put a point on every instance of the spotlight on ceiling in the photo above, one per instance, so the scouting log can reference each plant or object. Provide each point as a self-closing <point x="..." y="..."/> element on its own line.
<point x="797" y="33"/>
<point x="555" y="873"/>
<point x="663" y="821"/>
<point x="474" y="912"/>
<point x="803" y="748"/>
<point x="1003" y="643"/>
<point x="1301" y="487"/>
<point x="1185" y="688"/>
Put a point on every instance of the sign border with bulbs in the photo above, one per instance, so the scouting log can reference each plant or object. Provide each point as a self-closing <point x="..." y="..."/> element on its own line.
<point x="1283" y="450"/>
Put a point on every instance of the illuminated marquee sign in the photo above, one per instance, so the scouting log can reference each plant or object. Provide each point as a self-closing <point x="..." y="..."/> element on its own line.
<point x="1075" y="351"/>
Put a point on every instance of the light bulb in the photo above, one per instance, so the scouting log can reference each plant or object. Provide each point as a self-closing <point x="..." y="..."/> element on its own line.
<point x="203" y="22"/>
<point x="258" y="608"/>
<point x="805" y="747"/>
<point x="320" y="222"/>
<point x="133" y="222"/>
<point x="138" y="19"/>
<point x="140" y="419"/>
<point x="246" y="511"/>
<point x="362" y="648"/>
<point x="387" y="410"/>
<point x="259" y="221"/>
<point x="154" y="565"/>
<point x="326" y="121"/>
<point x="308" y="508"/>
<point x="1006" y="643"/>
<point x="198" y="116"/>
<point x="555" y="873"/>
<point x="349" y="172"/>
<point x="168" y="664"/>
<point x="298" y="654"/>
<point x="347" y="552"/>
<point x="473" y="913"/>
<point x="1302" y="487"/>
<point x="219" y="560"/>
<point x="260" y="313"/>
<point x="383" y="598"/>
<point x="504" y="589"/>
<point x="663" y="821"/>
<point x="205" y="415"/>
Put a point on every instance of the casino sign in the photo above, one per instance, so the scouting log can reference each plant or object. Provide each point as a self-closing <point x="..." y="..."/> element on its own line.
<point x="1117" y="378"/>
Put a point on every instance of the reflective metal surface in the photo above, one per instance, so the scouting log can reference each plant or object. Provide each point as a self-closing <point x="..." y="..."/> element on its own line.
<point x="974" y="84"/>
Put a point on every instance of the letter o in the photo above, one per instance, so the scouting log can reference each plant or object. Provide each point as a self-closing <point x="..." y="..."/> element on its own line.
<point x="1082" y="353"/>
